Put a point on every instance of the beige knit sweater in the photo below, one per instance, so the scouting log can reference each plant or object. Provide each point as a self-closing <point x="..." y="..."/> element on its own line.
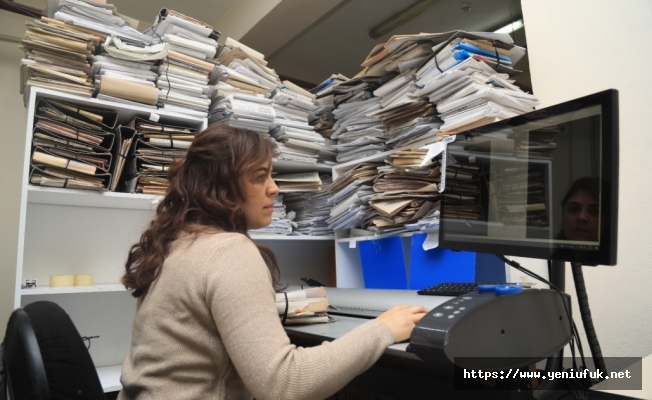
<point x="208" y="329"/>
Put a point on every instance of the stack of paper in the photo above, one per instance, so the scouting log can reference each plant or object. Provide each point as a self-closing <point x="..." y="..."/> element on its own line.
<point x="244" y="111"/>
<point x="243" y="75"/>
<point x="350" y="195"/>
<point x="58" y="56"/>
<point x="71" y="146"/>
<point x="429" y="223"/>
<point x="323" y="119"/>
<point x="157" y="147"/>
<point x="183" y="75"/>
<point x="357" y="131"/>
<point x="99" y="17"/>
<point x="537" y="143"/>
<point x="468" y="87"/>
<point x="405" y="191"/>
<point x="311" y="209"/>
<point x="301" y="182"/>
<point x="125" y="73"/>
<point x="291" y="126"/>
<point x="305" y="306"/>
<point x="282" y="221"/>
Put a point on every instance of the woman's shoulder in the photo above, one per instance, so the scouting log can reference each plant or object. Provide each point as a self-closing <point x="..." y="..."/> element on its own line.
<point x="211" y="241"/>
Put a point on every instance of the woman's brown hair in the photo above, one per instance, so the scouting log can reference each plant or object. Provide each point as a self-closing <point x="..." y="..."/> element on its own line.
<point x="205" y="193"/>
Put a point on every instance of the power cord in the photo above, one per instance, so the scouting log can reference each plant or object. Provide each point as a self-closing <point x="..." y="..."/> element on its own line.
<point x="577" y="387"/>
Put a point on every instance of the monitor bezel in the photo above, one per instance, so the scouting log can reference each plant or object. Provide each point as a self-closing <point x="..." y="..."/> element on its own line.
<point x="608" y="247"/>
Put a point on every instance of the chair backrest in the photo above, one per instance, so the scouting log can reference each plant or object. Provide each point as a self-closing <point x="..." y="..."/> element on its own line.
<point x="45" y="357"/>
<point x="26" y="376"/>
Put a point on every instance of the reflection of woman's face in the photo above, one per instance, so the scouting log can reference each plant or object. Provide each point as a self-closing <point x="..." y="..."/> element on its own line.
<point x="581" y="217"/>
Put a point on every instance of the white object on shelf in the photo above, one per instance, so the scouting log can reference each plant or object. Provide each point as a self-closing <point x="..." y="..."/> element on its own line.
<point x="110" y="378"/>
<point x="46" y="290"/>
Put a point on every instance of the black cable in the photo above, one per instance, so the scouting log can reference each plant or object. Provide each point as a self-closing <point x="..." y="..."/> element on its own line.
<point x="576" y="393"/>
<point x="585" y="312"/>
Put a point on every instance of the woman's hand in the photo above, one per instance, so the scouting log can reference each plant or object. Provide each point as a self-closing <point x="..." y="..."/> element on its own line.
<point x="402" y="319"/>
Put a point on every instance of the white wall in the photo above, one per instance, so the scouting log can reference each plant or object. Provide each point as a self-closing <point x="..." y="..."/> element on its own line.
<point x="580" y="47"/>
<point x="12" y="145"/>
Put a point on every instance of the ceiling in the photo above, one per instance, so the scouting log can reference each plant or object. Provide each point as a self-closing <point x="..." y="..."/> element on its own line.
<point x="340" y="43"/>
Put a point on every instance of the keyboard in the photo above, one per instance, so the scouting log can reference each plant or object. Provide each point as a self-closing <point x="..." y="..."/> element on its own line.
<point x="454" y="289"/>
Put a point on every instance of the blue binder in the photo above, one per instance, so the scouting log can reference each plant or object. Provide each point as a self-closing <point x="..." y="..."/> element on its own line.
<point x="428" y="268"/>
<point x="383" y="263"/>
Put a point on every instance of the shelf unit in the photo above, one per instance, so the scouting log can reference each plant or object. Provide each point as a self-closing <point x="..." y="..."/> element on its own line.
<point x="63" y="231"/>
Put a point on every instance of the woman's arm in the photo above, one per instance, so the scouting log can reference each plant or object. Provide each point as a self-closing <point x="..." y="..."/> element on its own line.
<point x="240" y="295"/>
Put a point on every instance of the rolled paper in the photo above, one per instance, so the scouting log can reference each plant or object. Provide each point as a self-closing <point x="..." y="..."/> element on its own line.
<point x="127" y="90"/>
<point x="61" y="280"/>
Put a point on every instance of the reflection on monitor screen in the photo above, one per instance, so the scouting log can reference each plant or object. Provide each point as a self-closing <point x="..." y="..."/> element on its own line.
<point x="539" y="185"/>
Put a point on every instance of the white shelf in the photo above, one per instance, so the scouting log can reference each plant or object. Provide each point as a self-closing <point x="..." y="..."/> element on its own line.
<point x="110" y="378"/>
<point x="44" y="290"/>
<point x="87" y="198"/>
<point x="126" y="112"/>
<point x="375" y="237"/>
<point x="291" y="237"/>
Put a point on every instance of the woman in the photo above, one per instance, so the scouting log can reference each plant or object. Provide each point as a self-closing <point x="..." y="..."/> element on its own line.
<point x="581" y="211"/>
<point x="206" y="324"/>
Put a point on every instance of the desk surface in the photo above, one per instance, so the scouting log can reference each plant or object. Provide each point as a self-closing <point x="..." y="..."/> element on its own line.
<point x="339" y="328"/>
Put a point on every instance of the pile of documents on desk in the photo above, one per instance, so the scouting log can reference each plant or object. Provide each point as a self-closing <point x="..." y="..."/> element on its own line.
<point x="350" y="196"/>
<point x="184" y="73"/>
<point x="305" y="306"/>
<point x="282" y="221"/>
<point x="71" y="146"/>
<point x="311" y="209"/>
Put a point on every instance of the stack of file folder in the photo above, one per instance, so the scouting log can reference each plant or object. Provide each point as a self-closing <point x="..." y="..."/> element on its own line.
<point x="350" y="194"/>
<point x="311" y="209"/>
<point x="58" y="56"/>
<point x="323" y="119"/>
<point x="149" y="148"/>
<point x="405" y="191"/>
<point x="358" y="133"/>
<point x="282" y="221"/>
<point x="184" y="73"/>
<point x="125" y="73"/>
<point x="71" y="146"/>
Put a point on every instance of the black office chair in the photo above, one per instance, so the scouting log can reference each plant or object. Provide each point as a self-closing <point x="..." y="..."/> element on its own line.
<point x="44" y="357"/>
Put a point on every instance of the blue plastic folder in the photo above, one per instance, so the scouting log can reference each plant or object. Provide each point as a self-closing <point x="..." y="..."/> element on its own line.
<point x="428" y="268"/>
<point x="383" y="264"/>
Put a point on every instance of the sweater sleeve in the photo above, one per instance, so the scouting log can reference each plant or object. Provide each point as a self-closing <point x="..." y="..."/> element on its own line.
<point x="241" y="298"/>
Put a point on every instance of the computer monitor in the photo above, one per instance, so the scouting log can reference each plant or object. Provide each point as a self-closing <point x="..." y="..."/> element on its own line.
<point x="540" y="185"/>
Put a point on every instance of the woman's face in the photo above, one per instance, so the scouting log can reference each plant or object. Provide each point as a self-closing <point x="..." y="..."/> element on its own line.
<point x="581" y="217"/>
<point x="260" y="190"/>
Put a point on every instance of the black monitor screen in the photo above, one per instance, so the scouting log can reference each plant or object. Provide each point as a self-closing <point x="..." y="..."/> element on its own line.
<point x="541" y="185"/>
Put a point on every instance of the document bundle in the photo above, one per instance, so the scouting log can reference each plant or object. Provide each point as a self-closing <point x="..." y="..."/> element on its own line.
<point x="351" y="192"/>
<point x="311" y="209"/>
<point x="71" y="146"/>
<point x="305" y="306"/>
<point x="184" y="73"/>
<point x="282" y="221"/>
<point x="147" y="150"/>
